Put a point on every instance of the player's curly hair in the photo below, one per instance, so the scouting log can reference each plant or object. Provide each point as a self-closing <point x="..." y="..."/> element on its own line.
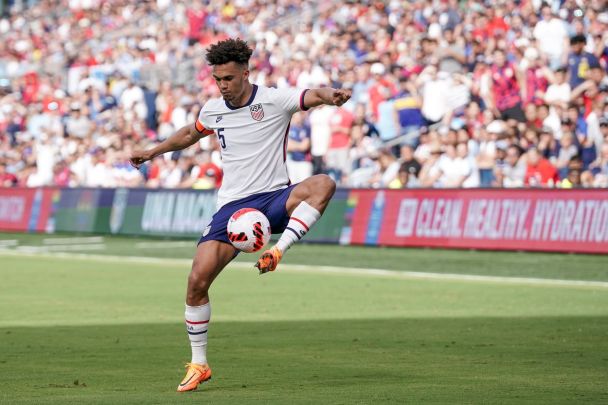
<point x="229" y="50"/>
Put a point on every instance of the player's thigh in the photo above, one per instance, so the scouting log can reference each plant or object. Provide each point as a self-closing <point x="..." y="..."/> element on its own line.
<point x="210" y="259"/>
<point x="275" y="209"/>
<point x="317" y="190"/>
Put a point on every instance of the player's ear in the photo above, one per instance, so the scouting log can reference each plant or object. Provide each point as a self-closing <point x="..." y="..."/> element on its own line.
<point x="245" y="74"/>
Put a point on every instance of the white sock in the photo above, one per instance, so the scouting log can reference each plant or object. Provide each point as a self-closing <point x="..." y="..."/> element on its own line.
<point x="197" y="321"/>
<point x="302" y="218"/>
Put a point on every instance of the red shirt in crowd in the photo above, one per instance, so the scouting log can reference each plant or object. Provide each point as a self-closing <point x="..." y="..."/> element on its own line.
<point x="541" y="174"/>
<point x="341" y="123"/>
<point x="196" y="19"/>
<point x="376" y="94"/>
<point x="210" y="169"/>
<point x="7" y="179"/>
<point x="497" y="27"/>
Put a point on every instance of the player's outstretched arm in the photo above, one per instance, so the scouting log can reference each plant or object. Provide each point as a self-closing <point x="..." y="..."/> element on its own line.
<point x="184" y="137"/>
<point x="327" y="95"/>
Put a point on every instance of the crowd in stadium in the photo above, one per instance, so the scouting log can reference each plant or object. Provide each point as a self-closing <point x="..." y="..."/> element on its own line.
<point x="446" y="93"/>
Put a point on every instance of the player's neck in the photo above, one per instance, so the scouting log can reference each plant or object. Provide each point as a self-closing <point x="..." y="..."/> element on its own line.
<point x="245" y="96"/>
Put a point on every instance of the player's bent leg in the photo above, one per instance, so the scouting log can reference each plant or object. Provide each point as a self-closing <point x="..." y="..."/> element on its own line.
<point x="305" y="205"/>
<point x="316" y="191"/>
<point x="211" y="257"/>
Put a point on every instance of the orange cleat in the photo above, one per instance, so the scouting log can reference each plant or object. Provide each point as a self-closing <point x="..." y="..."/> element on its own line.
<point x="269" y="260"/>
<point x="196" y="374"/>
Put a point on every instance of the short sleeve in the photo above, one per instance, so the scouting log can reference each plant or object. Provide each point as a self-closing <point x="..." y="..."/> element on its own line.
<point x="201" y="124"/>
<point x="289" y="100"/>
<point x="594" y="63"/>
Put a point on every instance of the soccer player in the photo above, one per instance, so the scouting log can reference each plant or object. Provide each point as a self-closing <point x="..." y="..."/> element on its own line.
<point x="251" y="123"/>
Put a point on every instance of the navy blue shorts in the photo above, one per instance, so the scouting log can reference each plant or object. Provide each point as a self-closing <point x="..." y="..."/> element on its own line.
<point x="271" y="204"/>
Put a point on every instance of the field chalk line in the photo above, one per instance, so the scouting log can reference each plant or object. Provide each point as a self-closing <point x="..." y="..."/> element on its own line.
<point x="395" y="274"/>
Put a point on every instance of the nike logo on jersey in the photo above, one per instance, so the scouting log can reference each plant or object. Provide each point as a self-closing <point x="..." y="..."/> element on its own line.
<point x="218" y="119"/>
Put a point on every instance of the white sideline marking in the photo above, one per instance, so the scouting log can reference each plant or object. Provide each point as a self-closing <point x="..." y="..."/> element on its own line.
<point x="63" y="248"/>
<point x="69" y="241"/>
<point x="8" y="242"/>
<point x="325" y="269"/>
<point x="163" y="245"/>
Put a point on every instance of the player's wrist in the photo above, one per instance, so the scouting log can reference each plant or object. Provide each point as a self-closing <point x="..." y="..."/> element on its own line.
<point x="150" y="154"/>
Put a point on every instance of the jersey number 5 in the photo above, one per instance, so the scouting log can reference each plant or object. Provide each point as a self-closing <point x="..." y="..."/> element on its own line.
<point x="221" y="137"/>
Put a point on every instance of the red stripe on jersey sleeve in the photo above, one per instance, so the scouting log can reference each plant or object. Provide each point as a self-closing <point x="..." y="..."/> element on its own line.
<point x="201" y="128"/>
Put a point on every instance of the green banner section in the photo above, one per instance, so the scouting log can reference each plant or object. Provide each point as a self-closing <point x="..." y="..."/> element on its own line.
<point x="171" y="213"/>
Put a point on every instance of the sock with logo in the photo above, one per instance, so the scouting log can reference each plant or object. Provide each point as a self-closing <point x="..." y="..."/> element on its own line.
<point x="302" y="218"/>
<point x="197" y="321"/>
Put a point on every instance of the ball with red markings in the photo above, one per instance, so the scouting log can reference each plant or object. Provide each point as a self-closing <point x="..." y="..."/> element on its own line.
<point x="248" y="230"/>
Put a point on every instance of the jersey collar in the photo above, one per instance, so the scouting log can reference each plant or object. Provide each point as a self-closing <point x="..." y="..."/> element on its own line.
<point x="255" y="89"/>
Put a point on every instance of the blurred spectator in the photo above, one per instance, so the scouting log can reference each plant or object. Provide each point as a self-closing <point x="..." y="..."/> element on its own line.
<point x="298" y="150"/>
<point x="409" y="162"/>
<point x="539" y="172"/>
<point x="506" y="93"/>
<point x="567" y="151"/>
<point x="457" y="168"/>
<point x="512" y="172"/>
<point x="320" y="136"/>
<point x="558" y="92"/>
<point x="341" y="123"/>
<point x="402" y="180"/>
<point x="388" y="169"/>
<point x="7" y="179"/>
<point x="407" y="106"/>
<point x="551" y="34"/>
<point x="477" y="88"/>
<point x="580" y="62"/>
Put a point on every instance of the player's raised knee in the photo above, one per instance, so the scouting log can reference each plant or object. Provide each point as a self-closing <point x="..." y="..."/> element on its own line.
<point x="326" y="184"/>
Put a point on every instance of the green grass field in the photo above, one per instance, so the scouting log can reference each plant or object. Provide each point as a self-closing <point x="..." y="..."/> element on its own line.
<point x="109" y="329"/>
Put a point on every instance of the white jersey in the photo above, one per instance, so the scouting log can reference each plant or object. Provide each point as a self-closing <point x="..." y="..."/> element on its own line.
<point x="253" y="140"/>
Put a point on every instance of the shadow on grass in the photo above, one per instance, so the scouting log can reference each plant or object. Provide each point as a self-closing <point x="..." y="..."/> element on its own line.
<point x="490" y="360"/>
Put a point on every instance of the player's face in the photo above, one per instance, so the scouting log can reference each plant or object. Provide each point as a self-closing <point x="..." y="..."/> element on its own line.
<point x="230" y="79"/>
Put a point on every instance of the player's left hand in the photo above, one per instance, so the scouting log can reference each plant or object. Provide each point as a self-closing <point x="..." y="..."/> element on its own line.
<point x="341" y="96"/>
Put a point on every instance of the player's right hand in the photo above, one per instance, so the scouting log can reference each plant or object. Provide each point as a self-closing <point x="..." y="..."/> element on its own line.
<point x="341" y="96"/>
<point x="138" y="158"/>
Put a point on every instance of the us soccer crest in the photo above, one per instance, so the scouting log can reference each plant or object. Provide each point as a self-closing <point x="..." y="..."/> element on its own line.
<point x="257" y="112"/>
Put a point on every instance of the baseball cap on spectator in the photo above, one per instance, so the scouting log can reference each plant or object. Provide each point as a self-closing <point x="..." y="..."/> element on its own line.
<point x="496" y="127"/>
<point x="502" y="144"/>
<point x="531" y="53"/>
<point x="457" y="123"/>
<point x="377" y="69"/>
<point x="521" y="42"/>
<point x="546" y="130"/>
<point x="603" y="122"/>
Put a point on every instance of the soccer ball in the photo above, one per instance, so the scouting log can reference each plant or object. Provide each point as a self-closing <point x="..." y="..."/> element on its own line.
<point x="248" y="230"/>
